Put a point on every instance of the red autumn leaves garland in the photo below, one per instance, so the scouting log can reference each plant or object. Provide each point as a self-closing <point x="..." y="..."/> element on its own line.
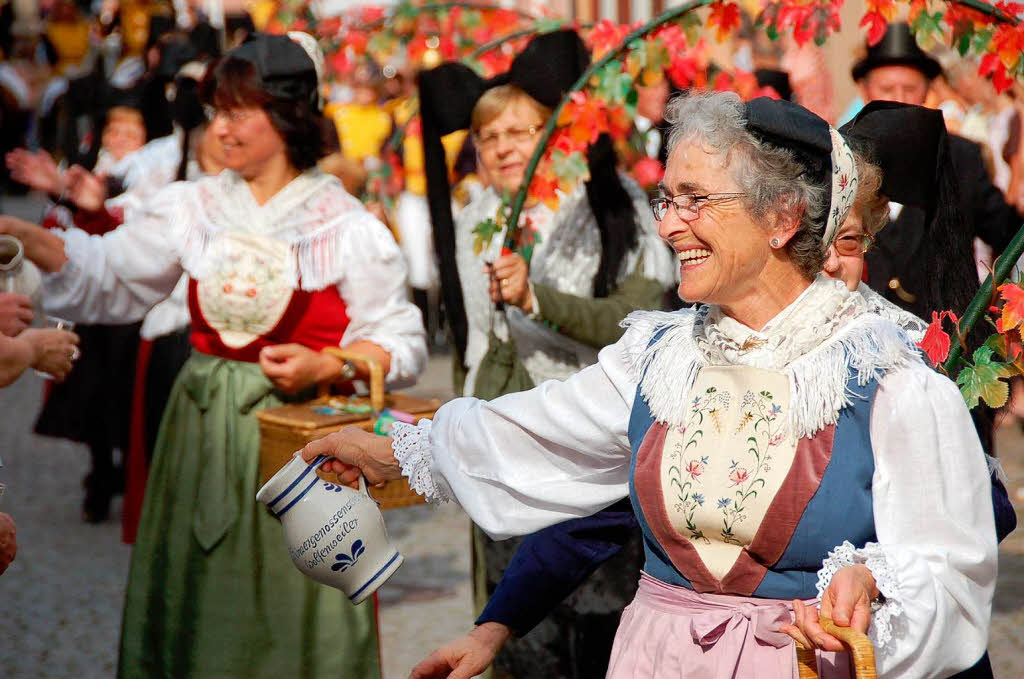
<point x="984" y="377"/>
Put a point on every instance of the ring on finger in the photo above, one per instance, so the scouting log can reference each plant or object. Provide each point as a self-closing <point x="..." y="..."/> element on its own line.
<point x="75" y="354"/>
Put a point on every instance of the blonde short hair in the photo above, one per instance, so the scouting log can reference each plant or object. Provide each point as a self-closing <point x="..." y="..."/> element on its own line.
<point x="495" y="100"/>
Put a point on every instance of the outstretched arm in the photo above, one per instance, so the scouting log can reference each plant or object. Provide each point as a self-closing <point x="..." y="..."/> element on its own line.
<point x="516" y="464"/>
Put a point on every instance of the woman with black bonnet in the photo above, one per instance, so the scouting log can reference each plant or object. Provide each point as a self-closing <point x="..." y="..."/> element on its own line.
<point x="787" y="453"/>
<point x="281" y="263"/>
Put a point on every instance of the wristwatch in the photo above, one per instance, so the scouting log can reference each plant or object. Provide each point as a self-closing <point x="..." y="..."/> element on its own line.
<point x="348" y="370"/>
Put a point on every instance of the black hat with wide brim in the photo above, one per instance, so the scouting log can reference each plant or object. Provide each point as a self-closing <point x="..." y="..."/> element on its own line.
<point x="897" y="48"/>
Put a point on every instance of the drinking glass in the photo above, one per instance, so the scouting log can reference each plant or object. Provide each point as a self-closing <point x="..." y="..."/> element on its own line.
<point x="55" y="322"/>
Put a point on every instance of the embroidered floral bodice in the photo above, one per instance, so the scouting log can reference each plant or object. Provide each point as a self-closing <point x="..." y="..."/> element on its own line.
<point x="722" y="468"/>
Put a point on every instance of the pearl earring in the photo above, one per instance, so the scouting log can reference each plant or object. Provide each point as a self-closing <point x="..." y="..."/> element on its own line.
<point x="775" y="242"/>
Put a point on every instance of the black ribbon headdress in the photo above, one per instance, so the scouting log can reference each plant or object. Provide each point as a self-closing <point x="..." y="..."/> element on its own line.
<point x="911" y="147"/>
<point x="546" y="69"/>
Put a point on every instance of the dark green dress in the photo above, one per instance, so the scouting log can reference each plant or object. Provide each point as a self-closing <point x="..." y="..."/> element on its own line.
<point x="212" y="592"/>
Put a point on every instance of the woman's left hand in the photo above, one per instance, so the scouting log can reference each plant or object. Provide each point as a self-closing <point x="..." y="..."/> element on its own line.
<point x="354" y="452"/>
<point x="511" y="283"/>
<point x="293" y="367"/>
<point x="847" y="601"/>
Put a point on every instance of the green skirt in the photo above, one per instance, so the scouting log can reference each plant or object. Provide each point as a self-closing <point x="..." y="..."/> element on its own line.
<point x="212" y="591"/>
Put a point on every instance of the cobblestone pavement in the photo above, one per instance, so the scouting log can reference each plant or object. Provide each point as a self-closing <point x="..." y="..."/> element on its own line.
<point x="60" y="602"/>
<point x="61" y="599"/>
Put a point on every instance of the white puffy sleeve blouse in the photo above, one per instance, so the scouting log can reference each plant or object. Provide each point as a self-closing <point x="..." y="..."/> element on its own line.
<point x="118" y="277"/>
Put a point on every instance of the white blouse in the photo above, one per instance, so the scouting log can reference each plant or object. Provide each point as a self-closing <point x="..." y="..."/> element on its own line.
<point x="532" y="459"/>
<point x="184" y="228"/>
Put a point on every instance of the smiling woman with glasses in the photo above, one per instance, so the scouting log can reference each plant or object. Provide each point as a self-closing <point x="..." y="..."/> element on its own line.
<point x="280" y="263"/>
<point x="775" y="441"/>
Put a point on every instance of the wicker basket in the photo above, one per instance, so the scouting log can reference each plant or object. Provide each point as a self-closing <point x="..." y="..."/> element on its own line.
<point x="859" y="646"/>
<point x="288" y="428"/>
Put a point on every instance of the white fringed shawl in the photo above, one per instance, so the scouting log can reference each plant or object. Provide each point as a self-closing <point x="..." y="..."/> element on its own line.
<point x="821" y="341"/>
<point x="311" y="214"/>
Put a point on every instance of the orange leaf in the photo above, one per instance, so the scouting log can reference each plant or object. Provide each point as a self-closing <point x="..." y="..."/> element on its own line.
<point x="876" y="25"/>
<point x="725" y="16"/>
<point x="1013" y="310"/>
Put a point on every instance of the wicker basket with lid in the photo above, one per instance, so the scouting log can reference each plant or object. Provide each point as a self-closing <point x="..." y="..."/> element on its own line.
<point x="287" y="428"/>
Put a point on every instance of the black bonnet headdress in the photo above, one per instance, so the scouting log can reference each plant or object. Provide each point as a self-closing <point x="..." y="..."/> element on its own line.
<point x="817" y="144"/>
<point x="290" y="66"/>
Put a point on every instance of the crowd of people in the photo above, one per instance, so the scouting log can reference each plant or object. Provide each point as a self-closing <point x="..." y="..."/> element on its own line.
<point x="699" y="411"/>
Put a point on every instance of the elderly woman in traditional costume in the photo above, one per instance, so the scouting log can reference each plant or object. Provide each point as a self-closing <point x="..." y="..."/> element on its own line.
<point x="282" y="262"/>
<point x="780" y="442"/>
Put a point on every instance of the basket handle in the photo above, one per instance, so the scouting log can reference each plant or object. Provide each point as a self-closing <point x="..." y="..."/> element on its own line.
<point x="861" y="652"/>
<point x="373" y="366"/>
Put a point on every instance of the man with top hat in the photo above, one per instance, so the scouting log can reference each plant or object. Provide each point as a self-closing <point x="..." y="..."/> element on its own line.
<point x="896" y="69"/>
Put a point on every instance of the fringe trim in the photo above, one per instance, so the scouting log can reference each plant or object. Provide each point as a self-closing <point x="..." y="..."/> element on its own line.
<point x="317" y="258"/>
<point x="867" y="348"/>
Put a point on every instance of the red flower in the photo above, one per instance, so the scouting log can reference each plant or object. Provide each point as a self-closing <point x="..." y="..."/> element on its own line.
<point x="694" y="469"/>
<point x="647" y="172"/>
<point x="738" y="476"/>
<point x="935" y="342"/>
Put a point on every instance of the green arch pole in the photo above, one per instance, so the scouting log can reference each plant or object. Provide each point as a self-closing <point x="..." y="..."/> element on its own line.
<point x="498" y="42"/>
<point x="549" y="129"/>
<point x="976" y="309"/>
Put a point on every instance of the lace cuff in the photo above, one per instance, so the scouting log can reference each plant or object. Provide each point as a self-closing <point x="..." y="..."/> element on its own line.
<point x="880" y="631"/>
<point x="412" y="450"/>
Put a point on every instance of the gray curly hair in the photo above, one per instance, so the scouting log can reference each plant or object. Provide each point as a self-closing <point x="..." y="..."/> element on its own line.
<point x="775" y="181"/>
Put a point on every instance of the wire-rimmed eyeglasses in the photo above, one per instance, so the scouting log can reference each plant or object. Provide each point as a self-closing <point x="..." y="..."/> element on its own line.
<point x="687" y="205"/>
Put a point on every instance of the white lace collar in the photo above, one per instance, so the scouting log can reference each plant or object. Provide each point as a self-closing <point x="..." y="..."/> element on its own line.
<point x="824" y="338"/>
<point x="824" y="306"/>
<point x="311" y="215"/>
<point x="237" y="209"/>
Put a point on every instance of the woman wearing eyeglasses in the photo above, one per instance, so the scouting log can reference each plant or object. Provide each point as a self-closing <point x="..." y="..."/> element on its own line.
<point x="281" y="263"/>
<point x="582" y="264"/>
<point x="787" y="452"/>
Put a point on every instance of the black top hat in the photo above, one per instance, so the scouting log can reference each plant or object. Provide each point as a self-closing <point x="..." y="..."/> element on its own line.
<point x="897" y="48"/>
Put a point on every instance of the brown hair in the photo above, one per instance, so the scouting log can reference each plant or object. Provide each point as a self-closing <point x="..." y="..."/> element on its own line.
<point x="871" y="205"/>
<point x="495" y="100"/>
<point x="125" y="112"/>
<point x="235" y="83"/>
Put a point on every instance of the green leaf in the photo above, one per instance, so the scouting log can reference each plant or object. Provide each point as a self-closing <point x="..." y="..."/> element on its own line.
<point x="571" y="167"/>
<point x="985" y="380"/>
<point x="484" y="233"/>
<point x="548" y="24"/>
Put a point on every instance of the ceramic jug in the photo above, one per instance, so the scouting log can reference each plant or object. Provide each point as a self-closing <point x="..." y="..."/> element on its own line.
<point x="18" y="274"/>
<point x="335" y="534"/>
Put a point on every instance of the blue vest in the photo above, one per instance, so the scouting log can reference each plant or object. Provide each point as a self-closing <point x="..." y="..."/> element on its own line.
<point x="840" y="509"/>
